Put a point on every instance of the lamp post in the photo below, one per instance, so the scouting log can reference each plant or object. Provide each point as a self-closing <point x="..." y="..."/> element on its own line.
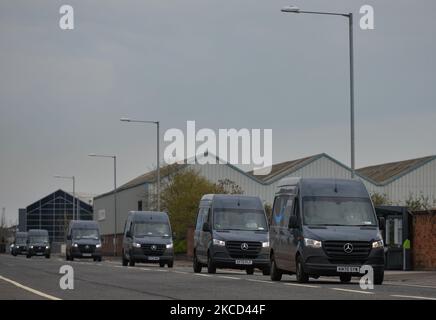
<point x="157" y="123"/>
<point x="349" y="16"/>
<point x="75" y="215"/>
<point x="115" y="195"/>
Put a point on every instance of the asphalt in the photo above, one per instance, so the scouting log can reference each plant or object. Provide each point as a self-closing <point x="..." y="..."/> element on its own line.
<point x="38" y="278"/>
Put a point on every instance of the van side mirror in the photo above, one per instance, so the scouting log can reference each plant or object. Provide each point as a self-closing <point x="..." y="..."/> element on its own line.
<point x="206" y="227"/>
<point x="293" y="222"/>
<point x="128" y="234"/>
<point x="382" y="223"/>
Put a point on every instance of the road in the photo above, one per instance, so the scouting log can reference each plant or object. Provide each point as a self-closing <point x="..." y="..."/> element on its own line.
<point x="38" y="278"/>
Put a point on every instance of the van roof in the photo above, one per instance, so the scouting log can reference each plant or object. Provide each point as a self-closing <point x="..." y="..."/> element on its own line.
<point x="38" y="232"/>
<point x="330" y="187"/>
<point x="21" y="234"/>
<point x="84" y="224"/>
<point x="148" y="216"/>
<point x="233" y="201"/>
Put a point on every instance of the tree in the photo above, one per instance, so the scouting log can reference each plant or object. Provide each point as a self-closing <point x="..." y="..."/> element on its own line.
<point x="182" y="193"/>
<point x="380" y="199"/>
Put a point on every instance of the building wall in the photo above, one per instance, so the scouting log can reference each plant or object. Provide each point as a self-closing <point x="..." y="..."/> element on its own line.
<point x="424" y="241"/>
<point x="127" y="200"/>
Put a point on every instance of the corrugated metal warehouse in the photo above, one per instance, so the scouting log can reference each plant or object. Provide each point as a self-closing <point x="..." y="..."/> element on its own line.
<point x="397" y="181"/>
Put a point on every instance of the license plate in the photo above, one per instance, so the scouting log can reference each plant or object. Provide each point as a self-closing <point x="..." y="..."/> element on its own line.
<point x="87" y="254"/>
<point x="153" y="258"/>
<point x="244" y="262"/>
<point x="39" y="253"/>
<point x="347" y="269"/>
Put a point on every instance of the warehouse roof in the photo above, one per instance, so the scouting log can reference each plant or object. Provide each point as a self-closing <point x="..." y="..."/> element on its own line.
<point x="387" y="172"/>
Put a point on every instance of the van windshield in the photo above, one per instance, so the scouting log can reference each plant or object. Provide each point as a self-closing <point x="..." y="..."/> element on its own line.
<point x="337" y="211"/>
<point x="151" y="229"/>
<point x="85" y="234"/>
<point x="38" y="239"/>
<point x="239" y="219"/>
<point x="20" y="240"/>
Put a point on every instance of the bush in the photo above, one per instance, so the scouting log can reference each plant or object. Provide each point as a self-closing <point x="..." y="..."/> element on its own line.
<point x="180" y="246"/>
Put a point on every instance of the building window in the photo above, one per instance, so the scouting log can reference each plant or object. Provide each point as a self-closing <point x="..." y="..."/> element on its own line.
<point x="140" y="205"/>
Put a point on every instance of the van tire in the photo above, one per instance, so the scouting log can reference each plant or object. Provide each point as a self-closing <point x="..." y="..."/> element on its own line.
<point x="125" y="262"/>
<point x="131" y="262"/>
<point x="161" y="264"/>
<point x="196" y="265"/>
<point x="302" y="276"/>
<point x="211" y="268"/>
<point x="170" y="264"/>
<point x="266" y="271"/>
<point x="28" y="256"/>
<point x="47" y="256"/>
<point x="250" y="271"/>
<point x="275" y="273"/>
<point x="345" y="278"/>
<point x="378" y="277"/>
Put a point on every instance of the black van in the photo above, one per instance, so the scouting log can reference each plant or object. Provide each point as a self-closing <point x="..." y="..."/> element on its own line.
<point x="38" y="243"/>
<point x="231" y="232"/>
<point x="20" y="244"/>
<point x="83" y="240"/>
<point x="148" y="238"/>
<point x="324" y="227"/>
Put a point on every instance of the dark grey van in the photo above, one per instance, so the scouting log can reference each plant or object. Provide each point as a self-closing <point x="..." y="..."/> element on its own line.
<point x="20" y="244"/>
<point x="83" y="240"/>
<point x="148" y="239"/>
<point x="324" y="227"/>
<point x="38" y="243"/>
<point x="231" y="232"/>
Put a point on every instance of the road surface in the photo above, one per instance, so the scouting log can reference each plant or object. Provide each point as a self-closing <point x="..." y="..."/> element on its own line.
<point x="38" y="278"/>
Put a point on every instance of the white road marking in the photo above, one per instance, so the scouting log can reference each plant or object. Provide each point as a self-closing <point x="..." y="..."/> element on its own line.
<point x="408" y="285"/>
<point x="146" y="269"/>
<point x="39" y="293"/>
<point x="301" y="285"/>
<point x="227" y="277"/>
<point x="181" y="272"/>
<point x="261" y="281"/>
<point x="412" y="297"/>
<point x="352" y="291"/>
<point x="202" y="275"/>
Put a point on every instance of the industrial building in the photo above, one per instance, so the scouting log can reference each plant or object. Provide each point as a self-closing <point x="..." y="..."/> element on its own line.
<point x="397" y="181"/>
<point x="53" y="213"/>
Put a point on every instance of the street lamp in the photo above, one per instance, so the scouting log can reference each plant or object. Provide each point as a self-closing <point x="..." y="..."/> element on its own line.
<point x="74" y="193"/>
<point x="294" y="9"/>
<point x="115" y="194"/>
<point x="157" y="123"/>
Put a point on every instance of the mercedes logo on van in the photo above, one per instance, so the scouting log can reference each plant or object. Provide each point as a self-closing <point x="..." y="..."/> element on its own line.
<point x="154" y="247"/>
<point x="348" y="248"/>
<point x="244" y="246"/>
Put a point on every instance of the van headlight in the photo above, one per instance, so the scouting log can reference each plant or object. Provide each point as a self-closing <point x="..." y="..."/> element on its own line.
<point x="312" y="243"/>
<point x="136" y="245"/>
<point x="98" y="245"/>
<point x="170" y="245"/>
<point x="47" y="247"/>
<point x="265" y="244"/>
<point x="31" y="247"/>
<point x="377" y="244"/>
<point x="220" y="243"/>
<point x="75" y="245"/>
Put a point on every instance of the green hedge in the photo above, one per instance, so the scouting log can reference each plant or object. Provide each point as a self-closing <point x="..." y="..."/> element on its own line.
<point x="180" y="246"/>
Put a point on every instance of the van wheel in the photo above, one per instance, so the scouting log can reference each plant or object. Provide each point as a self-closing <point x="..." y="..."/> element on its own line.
<point x="275" y="273"/>
<point x="47" y="256"/>
<point x="211" y="268"/>
<point x="170" y="264"/>
<point x="302" y="277"/>
<point x="250" y="271"/>
<point x="28" y="256"/>
<point x="345" y="278"/>
<point x="378" y="277"/>
<point x="131" y="262"/>
<point x="161" y="264"/>
<point x="196" y="265"/>
<point x="124" y="260"/>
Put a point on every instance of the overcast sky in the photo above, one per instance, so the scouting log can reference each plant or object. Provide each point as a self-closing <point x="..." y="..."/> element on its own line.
<point x="223" y="63"/>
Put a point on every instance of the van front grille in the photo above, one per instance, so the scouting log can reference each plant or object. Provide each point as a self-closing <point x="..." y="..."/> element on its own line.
<point x="243" y="249"/>
<point x="86" y="248"/>
<point x="153" y="249"/>
<point x="341" y="249"/>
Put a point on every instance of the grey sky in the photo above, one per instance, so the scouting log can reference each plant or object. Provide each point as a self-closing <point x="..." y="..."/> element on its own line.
<point x="223" y="63"/>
